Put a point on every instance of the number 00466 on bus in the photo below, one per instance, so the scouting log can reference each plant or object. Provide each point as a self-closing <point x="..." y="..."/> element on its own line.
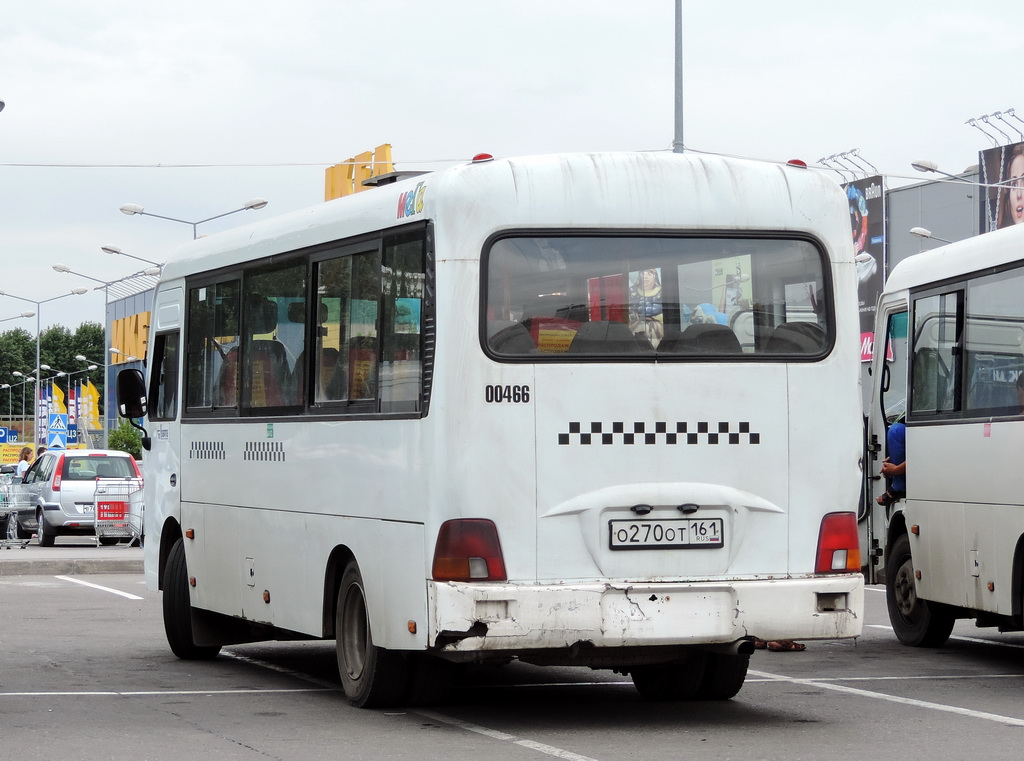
<point x="665" y="534"/>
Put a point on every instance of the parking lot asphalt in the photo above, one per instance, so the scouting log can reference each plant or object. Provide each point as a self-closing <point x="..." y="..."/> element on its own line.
<point x="70" y="555"/>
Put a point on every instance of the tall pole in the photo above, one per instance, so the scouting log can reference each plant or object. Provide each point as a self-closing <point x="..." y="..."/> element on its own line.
<point x="677" y="144"/>
<point x="39" y="392"/>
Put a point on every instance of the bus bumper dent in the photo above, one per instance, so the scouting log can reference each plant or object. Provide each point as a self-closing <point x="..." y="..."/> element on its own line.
<point x="468" y="617"/>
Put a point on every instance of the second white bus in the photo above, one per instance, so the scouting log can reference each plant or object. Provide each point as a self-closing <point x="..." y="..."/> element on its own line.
<point x="596" y="410"/>
<point x="953" y="547"/>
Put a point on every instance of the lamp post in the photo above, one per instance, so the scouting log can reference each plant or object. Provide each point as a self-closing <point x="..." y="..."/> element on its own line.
<point x="923" y="232"/>
<point x="924" y="165"/>
<point x="72" y="292"/>
<point x="24" y="383"/>
<point x="19" y="316"/>
<point x="10" y="401"/>
<point x="134" y="208"/>
<point x="116" y="250"/>
<point x="93" y="364"/>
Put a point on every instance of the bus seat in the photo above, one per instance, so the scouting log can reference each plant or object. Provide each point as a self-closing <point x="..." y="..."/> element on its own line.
<point x="510" y="338"/>
<point x="605" y="338"/>
<point x="796" y="338"/>
<point x="269" y="382"/>
<point x="707" y="338"/>
<point x="742" y="324"/>
<point x="929" y="376"/>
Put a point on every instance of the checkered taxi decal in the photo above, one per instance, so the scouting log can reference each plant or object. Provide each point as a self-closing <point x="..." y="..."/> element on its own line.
<point x="659" y="433"/>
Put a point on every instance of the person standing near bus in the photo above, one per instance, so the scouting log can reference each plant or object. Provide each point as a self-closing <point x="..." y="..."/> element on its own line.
<point x="894" y="466"/>
<point x="24" y="461"/>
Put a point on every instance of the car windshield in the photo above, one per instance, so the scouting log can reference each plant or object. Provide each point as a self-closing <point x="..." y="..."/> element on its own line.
<point x="89" y="468"/>
<point x="647" y="298"/>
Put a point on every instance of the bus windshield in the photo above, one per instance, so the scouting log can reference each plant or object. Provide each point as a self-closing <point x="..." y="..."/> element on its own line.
<point x="563" y="297"/>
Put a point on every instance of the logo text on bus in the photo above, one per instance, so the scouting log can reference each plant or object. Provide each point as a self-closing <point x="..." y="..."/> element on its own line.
<point x="411" y="201"/>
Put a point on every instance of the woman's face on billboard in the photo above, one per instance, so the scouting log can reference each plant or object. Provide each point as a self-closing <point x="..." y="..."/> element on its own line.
<point x="1015" y="191"/>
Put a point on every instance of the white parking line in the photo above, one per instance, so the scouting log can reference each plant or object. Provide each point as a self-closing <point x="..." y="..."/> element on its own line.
<point x="961" y="638"/>
<point x="549" y="750"/>
<point x="147" y="693"/>
<point x="97" y="586"/>
<point x="1008" y="720"/>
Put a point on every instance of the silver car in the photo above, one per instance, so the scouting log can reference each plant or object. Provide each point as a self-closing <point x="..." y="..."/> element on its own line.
<point x="63" y="484"/>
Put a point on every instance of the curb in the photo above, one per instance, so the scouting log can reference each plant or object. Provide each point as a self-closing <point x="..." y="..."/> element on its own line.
<point x="67" y="566"/>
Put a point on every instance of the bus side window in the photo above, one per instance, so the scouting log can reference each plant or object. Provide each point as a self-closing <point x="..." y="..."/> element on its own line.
<point x="211" y="369"/>
<point x="165" y="377"/>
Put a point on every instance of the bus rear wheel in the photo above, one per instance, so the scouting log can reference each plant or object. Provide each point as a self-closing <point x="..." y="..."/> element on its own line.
<point x="178" y="609"/>
<point x="916" y="622"/>
<point x="371" y="676"/>
<point x="723" y="676"/>
<point x="679" y="680"/>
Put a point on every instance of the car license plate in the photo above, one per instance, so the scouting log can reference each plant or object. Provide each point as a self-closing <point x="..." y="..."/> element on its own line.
<point x="674" y="533"/>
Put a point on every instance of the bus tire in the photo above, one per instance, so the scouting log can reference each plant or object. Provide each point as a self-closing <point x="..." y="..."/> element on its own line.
<point x="178" y="609"/>
<point x="371" y="676"/>
<point x="723" y="676"/>
<point x="679" y="680"/>
<point x="916" y="622"/>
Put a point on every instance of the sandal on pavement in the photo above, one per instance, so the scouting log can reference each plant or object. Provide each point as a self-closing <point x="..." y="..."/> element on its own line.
<point x="786" y="646"/>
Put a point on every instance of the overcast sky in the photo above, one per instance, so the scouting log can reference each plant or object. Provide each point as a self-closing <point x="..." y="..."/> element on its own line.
<point x="267" y="95"/>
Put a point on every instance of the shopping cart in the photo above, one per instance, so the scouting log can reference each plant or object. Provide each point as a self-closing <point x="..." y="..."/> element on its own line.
<point x="118" y="510"/>
<point x="14" y="498"/>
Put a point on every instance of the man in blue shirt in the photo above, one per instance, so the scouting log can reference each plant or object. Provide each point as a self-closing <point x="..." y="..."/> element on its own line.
<point x="894" y="466"/>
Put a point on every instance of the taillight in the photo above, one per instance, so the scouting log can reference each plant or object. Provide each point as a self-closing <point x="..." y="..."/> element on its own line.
<point x="138" y="473"/>
<point x="59" y="470"/>
<point x="468" y="549"/>
<point x="838" y="544"/>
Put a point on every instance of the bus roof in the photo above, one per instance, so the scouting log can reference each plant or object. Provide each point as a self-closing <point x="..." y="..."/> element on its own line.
<point x="662" y="191"/>
<point x="956" y="259"/>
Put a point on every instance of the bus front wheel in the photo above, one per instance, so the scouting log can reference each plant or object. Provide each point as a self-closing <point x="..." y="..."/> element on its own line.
<point x="916" y="622"/>
<point x="371" y="676"/>
<point x="178" y="609"/>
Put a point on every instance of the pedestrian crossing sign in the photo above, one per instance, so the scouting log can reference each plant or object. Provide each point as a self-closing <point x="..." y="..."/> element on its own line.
<point x="57" y="440"/>
<point x="58" y="422"/>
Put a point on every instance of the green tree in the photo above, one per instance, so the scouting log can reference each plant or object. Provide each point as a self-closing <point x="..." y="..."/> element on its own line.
<point x="126" y="439"/>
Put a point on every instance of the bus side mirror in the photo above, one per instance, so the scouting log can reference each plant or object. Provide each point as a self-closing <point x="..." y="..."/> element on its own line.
<point x="131" y="400"/>
<point x="131" y="393"/>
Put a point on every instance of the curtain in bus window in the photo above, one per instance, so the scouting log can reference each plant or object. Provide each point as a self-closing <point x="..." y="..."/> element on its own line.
<point x="994" y="344"/>
<point x="402" y="281"/>
<point x="566" y="297"/>
<point x="935" y="371"/>
<point x="348" y="297"/>
<point x="212" y="361"/>
<point x="165" y="370"/>
<point x="275" y="336"/>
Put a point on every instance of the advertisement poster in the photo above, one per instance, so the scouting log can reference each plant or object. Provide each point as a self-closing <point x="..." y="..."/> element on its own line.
<point x="1002" y="204"/>
<point x="867" y="221"/>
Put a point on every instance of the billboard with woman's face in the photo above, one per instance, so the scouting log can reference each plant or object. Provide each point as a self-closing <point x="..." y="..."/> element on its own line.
<point x="1002" y="203"/>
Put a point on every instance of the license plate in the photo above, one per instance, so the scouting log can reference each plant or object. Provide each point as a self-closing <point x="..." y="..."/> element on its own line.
<point x="675" y="533"/>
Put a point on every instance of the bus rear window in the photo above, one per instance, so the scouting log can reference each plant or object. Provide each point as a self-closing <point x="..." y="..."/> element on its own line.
<point x="573" y="297"/>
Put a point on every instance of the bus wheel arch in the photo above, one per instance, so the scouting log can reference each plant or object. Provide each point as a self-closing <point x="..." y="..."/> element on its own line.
<point x="338" y="561"/>
<point x="371" y="676"/>
<point x="916" y="622"/>
<point x="1017" y="601"/>
<point x="169" y="534"/>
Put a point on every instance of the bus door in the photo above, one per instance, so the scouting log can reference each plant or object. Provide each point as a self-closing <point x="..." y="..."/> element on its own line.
<point x="888" y="403"/>
<point x="161" y="468"/>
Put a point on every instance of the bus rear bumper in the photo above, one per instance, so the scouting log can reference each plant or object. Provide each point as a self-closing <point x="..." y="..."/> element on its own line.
<point x="468" y="617"/>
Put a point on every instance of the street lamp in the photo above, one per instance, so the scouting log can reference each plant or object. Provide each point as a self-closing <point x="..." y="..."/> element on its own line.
<point x="923" y="232"/>
<point x="127" y="357"/>
<point x="19" y="316"/>
<point x="72" y="292"/>
<point x="116" y="250"/>
<point x="134" y="208"/>
<point x="93" y="365"/>
<point x="924" y="165"/>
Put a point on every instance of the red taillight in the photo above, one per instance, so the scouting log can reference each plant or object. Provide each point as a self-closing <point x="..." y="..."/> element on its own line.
<point x="838" y="544"/>
<point x="468" y="549"/>
<point x="59" y="470"/>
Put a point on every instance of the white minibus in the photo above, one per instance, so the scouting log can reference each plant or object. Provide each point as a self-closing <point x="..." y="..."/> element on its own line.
<point x="951" y="545"/>
<point x="598" y="410"/>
